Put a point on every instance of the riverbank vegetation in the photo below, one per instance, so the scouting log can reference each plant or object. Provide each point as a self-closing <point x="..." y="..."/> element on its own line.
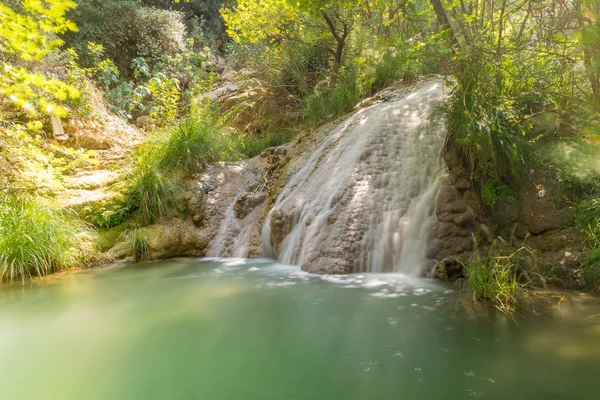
<point x="225" y="79"/>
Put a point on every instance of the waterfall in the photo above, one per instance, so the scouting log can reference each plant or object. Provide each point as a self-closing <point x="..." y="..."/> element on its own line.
<point x="364" y="200"/>
<point x="234" y="237"/>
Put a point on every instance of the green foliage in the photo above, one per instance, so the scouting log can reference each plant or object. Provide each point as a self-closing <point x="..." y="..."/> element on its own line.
<point x="190" y="145"/>
<point x="492" y="191"/>
<point x="516" y="90"/>
<point x="38" y="240"/>
<point x="137" y="243"/>
<point x="109" y="237"/>
<point x="113" y="217"/>
<point x="26" y="38"/>
<point x="587" y="217"/>
<point x="334" y="98"/>
<point x="320" y="57"/>
<point x="127" y="30"/>
<point x="481" y="133"/>
<point x="252" y="147"/>
<point x="591" y="270"/>
<point x="497" y="279"/>
<point x="153" y="192"/>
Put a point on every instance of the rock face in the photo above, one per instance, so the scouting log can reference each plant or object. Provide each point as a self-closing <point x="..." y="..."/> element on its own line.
<point x="224" y="190"/>
<point x="533" y="218"/>
<point x="362" y="199"/>
<point x="175" y="238"/>
<point x="246" y="202"/>
<point x="452" y="232"/>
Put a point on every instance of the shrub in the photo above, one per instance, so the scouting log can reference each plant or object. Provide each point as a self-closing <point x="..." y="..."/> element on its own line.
<point x="38" y="240"/>
<point x="127" y="30"/>
<point x="492" y="191"/>
<point x="587" y="217"/>
<point x="333" y="98"/>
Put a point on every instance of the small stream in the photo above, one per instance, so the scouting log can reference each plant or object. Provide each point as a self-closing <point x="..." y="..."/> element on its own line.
<point x="253" y="329"/>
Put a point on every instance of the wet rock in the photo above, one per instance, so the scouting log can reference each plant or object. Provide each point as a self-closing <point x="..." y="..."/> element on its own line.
<point x="445" y="229"/>
<point x="447" y="194"/>
<point x="197" y="207"/>
<point x="464" y="218"/>
<point x="246" y="202"/>
<point x="176" y="238"/>
<point x="281" y="224"/>
<point x="329" y="265"/>
<point x="449" y="269"/>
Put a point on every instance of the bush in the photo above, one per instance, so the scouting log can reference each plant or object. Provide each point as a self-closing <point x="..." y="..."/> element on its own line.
<point x="492" y="191"/>
<point x="38" y="240"/>
<point x="127" y="30"/>
<point x="482" y="134"/>
<point x="591" y="270"/>
<point x="587" y="218"/>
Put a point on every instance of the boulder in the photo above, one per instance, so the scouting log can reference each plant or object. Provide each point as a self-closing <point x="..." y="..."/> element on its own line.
<point x="449" y="269"/>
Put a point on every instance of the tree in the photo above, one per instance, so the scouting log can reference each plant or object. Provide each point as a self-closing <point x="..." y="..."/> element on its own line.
<point x="25" y="39"/>
<point x="325" y="24"/>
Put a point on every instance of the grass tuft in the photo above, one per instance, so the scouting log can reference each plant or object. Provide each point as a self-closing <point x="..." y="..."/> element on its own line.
<point x="36" y="240"/>
<point x="252" y="147"/>
<point x="497" y="279"/>
<point x="193" y="144"/>
<point x="153" y="192"/>
<point x="137" y="243"/>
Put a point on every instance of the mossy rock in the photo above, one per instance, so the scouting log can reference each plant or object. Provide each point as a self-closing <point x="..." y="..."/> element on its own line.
<point x="95" y="203"/>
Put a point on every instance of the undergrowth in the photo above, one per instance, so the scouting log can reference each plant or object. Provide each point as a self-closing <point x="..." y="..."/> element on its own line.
<point x="252" y="147"/>
<point x="137" y="243"/>
<point x="36" y="240"/>
<point x="153" y="192"/>
<point x="194" y="143"/>
<point x="497" y="278"/>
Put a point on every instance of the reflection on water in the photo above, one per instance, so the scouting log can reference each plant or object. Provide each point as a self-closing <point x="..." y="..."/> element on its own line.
<point x="241" y="329"/>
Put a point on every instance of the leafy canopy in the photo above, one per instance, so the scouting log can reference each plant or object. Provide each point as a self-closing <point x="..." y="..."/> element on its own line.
<point x="25" y="38"/>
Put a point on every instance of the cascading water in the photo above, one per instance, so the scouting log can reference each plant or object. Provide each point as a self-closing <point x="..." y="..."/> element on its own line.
<point x="234" y="237"/>
<point x="364" y="200"/>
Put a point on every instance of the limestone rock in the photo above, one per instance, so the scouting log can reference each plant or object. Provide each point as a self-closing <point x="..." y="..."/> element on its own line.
<point x="246" y="202"/>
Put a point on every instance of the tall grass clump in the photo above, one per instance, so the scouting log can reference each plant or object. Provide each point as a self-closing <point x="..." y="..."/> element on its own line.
<point x="36" y="240"/>
<point x="154" y="192"/>
<point x="252" y="147"/>
<point x="138" y="245"/>
<point x="482" y="136"/>
<point x="194" y="143"/>
<point x="497" y="279"/>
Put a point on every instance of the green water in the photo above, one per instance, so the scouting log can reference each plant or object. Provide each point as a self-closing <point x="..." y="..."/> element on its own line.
<point x="254" y="330"/>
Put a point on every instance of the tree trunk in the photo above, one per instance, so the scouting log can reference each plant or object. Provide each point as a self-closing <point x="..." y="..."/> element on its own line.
<point x="442" y="18"/>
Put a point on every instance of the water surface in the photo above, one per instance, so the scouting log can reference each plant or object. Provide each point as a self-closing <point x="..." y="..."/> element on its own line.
<point x="241" y="329"/>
